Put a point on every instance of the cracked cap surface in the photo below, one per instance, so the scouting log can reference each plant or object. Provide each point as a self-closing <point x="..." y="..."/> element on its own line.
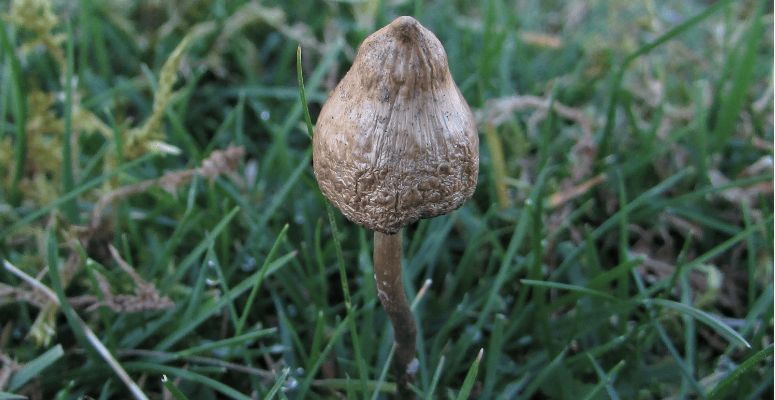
<point x="396" y="140"/>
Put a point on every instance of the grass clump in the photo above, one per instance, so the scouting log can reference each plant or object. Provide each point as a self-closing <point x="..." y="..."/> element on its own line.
<point x="619" y="244"/>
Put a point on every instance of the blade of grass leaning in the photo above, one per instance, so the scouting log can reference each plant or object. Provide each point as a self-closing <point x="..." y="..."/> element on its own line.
<point x="721" y="328"/>
<point x="383" y="373"/>
<point x="211" y="261"/>
<point x="174" y="391"/>
<point x="468" y="382"/>
<point x="570" y="288"/>
<point x="317" y="337"/>
<point x="278" y="384"/>
<point x="303" y="94"/>
<point x="195" y="294"/>
<point x="257" y="284"/>
<point x="435" y="379"/>
<point x="544" y="373"/>
<point x="35" y="367"/>
<point x="720" y="390"/>
<point x="494" y="349"/>
<point x="605" y="380"/>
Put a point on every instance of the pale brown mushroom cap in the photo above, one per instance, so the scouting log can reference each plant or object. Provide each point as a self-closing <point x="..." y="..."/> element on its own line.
<point x="396" y="140"/>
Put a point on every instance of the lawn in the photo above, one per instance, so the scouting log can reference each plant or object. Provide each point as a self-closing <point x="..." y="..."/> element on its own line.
<point x="162" y="234"/>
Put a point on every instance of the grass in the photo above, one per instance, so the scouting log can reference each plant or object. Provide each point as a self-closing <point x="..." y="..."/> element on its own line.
<point x="619" y="243"/>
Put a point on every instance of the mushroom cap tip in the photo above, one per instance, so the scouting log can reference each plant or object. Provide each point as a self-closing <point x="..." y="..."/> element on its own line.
<point x="406" y="27"/>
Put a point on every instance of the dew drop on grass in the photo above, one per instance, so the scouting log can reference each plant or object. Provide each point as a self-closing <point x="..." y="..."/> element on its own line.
<point x="290" y="384"/>
<point x="265" y="115"/>
<point x="248" y="264"/>
<point x="475" y="334"/>
<point x="276" y="348"/>
<point x="212" y="273"/>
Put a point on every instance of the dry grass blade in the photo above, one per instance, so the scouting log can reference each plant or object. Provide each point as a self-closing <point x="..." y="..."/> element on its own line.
<point x="497" y="111"/>
<point x="220" y="162"/>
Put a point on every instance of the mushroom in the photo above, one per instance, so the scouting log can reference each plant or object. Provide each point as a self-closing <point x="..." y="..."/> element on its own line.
<point x="396" y="142"/>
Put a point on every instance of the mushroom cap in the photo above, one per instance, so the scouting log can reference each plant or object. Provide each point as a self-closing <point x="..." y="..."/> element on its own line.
<point x="396" y="140"/>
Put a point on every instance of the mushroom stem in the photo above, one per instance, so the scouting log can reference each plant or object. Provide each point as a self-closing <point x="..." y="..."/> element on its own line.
<point x="390" y="290"/>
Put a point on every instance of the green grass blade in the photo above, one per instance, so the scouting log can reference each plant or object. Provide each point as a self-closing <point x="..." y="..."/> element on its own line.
<point x="605" y="379"/>
<point x="11" y="396"/>
<point x="435" y="379"/>
<point x="719" y="391"/>
<point x="541" y="376"/>
<point x="257" y="284"/>
<point x="721" y="328"/>
<point x="302" y="94"/>
<point x="383" y="373"/>
<point x="278" y="384"/>
<point x="305" y="384"/>
<point x="35" y="367"/>
<point x="235" y="340"/>
<point x="52" y="247"/>
<point x="468" y="382"/>
<point x="359" y="361"/>
<point x="153" y="368"/>
<point x="174" y="391"/>
<point x="571" y="288"/>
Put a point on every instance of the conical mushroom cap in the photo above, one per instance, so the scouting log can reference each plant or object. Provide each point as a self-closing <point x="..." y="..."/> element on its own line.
<point x="396" y="140"/>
